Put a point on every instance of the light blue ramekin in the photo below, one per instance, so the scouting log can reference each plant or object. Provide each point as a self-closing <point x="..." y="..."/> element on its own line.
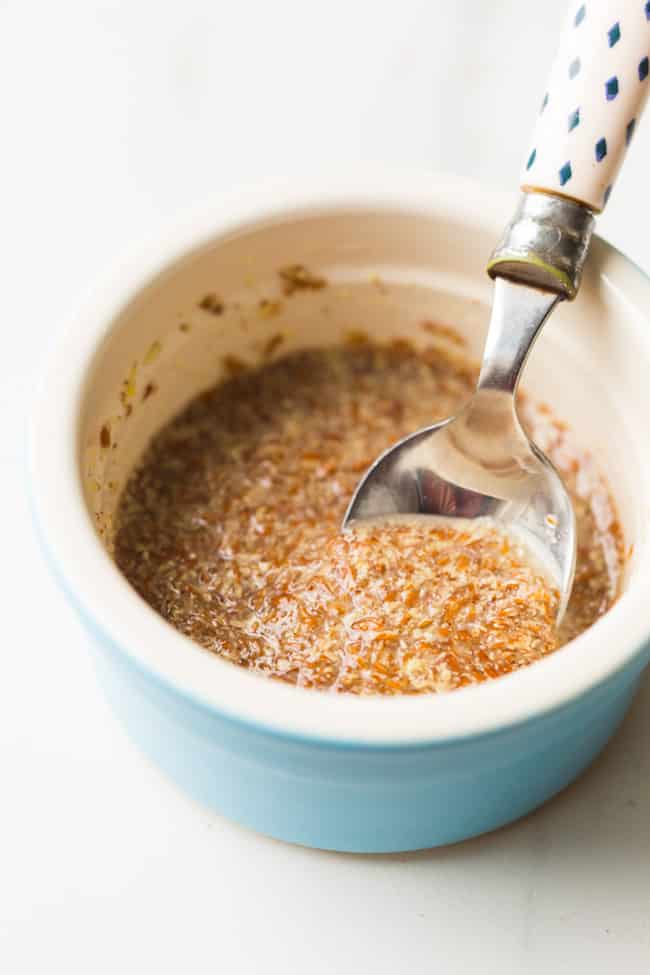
<point x="331" y="771"/>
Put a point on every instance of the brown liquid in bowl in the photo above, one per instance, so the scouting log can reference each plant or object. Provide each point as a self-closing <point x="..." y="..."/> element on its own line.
<point x="230" y="529"/>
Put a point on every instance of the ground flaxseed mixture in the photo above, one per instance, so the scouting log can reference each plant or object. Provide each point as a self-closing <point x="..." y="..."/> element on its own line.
<point x="230" y="529"/>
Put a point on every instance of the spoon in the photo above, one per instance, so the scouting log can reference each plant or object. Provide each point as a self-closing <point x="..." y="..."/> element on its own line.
<point x="480" y="462"/>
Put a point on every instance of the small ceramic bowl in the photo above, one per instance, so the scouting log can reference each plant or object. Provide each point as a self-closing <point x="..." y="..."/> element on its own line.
<point x="336" y="771"/>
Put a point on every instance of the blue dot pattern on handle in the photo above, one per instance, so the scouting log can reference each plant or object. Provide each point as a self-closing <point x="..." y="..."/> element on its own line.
<point x="574" y="68"/>
<point x="574" y="119"/>
<point x="621" y="36"/>
<point x="606" y="195"/>
<point x="614" y="34"/>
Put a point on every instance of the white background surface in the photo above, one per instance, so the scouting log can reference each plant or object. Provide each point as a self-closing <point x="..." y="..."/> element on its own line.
<point x="115" y="118"/>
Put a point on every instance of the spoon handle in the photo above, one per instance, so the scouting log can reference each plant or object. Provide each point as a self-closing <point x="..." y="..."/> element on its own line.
<point x="594" y="97"/>
<point x="592" y="104"/>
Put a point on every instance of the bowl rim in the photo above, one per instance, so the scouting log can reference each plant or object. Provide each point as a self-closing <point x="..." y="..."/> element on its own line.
<point x="120" y="618"/>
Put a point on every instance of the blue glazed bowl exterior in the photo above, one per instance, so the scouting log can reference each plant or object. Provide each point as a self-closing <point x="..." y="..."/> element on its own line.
<point x="361" y="799"/>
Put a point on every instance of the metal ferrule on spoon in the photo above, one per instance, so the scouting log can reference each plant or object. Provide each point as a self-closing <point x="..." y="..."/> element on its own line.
<point x="590" y="110"/>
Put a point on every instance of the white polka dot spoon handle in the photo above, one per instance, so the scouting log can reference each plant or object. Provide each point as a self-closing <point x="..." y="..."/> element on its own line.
<point x="595" y="94"/>
<point x="589" y="111"/>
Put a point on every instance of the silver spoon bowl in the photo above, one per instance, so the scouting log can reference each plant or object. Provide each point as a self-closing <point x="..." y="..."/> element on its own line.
<point x="480" y="463"/>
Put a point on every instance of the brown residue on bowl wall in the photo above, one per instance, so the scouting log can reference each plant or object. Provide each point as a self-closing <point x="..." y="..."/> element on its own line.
<point x="212" y="303"/>
<point x="296" y="277"/>
<point x="443" y="332"/>
<point x="269" y="308"/>
<point x="233" y="366"/>
<point x="356" y="336"/>
<point x="272" y="345"/>
<point x="152" y="353"/>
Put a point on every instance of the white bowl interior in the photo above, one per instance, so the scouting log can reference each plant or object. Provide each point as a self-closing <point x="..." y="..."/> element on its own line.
<point x="427" y="239"/>
<point x="387" y="272"/>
